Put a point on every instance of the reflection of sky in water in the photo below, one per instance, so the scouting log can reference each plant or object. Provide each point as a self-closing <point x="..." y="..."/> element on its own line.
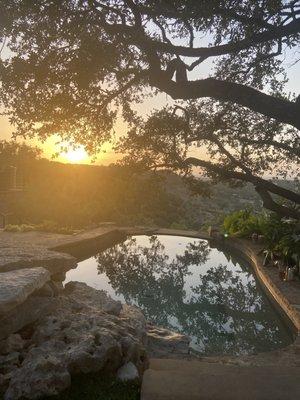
<point x="215" y="301"/>
<point x="87" y="272"/>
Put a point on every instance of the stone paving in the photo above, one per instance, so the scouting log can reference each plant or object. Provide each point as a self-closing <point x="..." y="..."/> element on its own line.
<point x="48" y="250"/>
<point x="192" y="380"/>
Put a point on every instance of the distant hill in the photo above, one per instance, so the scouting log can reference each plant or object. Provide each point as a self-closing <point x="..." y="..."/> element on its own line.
<point x="81" y="195"/>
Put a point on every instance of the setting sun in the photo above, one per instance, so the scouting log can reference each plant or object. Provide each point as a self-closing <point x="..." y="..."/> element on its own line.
<point x="76" y="155"/>
<point x="149" y="199"/>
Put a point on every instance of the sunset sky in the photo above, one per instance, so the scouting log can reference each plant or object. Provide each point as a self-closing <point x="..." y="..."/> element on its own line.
<point x="108" y="156"/>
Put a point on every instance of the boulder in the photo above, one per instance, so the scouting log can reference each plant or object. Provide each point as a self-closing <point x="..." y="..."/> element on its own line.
<point x="9" y="362"/>
<point x="17" y="256"/>
<point x="26" y="313"/>
<point x="94" y="298"/>
<point x="128" y="372"/>
<point x="50" y="289"/>
<point x="78" y="337"/>
<point x="12" y="343"/>
<point x="165" y="343"/>
<point x="16" y="286"/>
<point x="134" y="316"/>
<point x="41" y="375"/>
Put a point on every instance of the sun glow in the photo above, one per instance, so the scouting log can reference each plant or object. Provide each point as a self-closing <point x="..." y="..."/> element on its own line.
<point x="76" y="155"/>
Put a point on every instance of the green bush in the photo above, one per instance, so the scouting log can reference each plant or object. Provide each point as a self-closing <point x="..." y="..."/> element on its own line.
<point x="241" y="223"/>
<point x="179" y="225"/>
<point x="281" y="236"/>
<point x="45" y="226"/>
<point x="20" y="228"/>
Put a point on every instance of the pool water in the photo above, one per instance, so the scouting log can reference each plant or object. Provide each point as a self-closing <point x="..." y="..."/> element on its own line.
<point x="185" y="285"/>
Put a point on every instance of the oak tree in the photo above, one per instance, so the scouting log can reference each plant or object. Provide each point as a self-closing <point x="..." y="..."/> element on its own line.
<point x="69" y="67"/>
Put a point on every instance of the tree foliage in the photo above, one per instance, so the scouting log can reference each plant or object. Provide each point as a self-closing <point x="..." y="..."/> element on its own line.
<point x="71" y="67"/>
<point x="70" y="60"/>
<point x="223" y="142"/>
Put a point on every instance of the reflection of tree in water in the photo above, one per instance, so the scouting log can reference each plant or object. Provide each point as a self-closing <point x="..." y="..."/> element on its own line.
<point x="223" y="311"/>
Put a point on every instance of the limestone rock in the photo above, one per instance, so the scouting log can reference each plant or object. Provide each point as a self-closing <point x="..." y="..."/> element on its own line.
<point x="94" y="297"/>
<point x="163" y="342"/>
<point x="13" y="343"/>
<point x="9" y="362"/>
<point x="17" y="256"/>
<point x="26" y="313"/>
<point x="134" y="316"/>
<point x="78" y="337"/>
<point x="48" y="290"/>
<point x="4" y="382"/>
<point x="41" y="375"/>
<point x="128" y="372"/>
<point x="58" y="287"/>
<point x="16" y="286"/>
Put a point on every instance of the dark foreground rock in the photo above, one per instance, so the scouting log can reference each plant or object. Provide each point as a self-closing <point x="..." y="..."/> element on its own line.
<point x="87" y="332"/>
<point x="30" y="311"/>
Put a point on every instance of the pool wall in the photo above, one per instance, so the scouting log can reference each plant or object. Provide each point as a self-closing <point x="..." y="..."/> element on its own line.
<point x="268" y="276"/>
<point x="82" y="249"/>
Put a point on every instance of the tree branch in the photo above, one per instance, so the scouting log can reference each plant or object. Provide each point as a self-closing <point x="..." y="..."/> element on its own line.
<point x="270" y="106"/>
<point x="272" y="34"/>
<point x="255" y="180"/>
<point x="271" y="205"/>
<point x="262" y="187"/>
<point x="279" y="145"/>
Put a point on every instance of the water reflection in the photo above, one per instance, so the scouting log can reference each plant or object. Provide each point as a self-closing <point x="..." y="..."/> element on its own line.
<point x="197" y="291"/>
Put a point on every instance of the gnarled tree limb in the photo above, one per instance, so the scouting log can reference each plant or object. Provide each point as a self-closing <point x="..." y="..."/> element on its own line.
<point x="270" y="106"/>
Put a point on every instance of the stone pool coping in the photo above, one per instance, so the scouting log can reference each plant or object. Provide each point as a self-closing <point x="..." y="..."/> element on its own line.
<point x="49" y="250"/>
<point x="56" y="253"/>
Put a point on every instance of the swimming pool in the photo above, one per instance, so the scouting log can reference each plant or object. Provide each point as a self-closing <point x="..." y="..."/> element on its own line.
<point x="185" y="285"/>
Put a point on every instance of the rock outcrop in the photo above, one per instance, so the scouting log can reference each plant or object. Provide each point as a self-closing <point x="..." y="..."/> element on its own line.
<point x="81" y="330"/>
<point x="16" y="286"/>
<point x="163" y="343"/>
<point x="25" y="296"/>
<point x="18" y="256"/>
<point x="128" y="372"/>
<point x="87" y="332"/>
<point x="30" y="311"/>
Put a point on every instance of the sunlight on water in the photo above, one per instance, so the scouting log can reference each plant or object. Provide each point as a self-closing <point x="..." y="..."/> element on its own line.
<point x="185" y="285"/>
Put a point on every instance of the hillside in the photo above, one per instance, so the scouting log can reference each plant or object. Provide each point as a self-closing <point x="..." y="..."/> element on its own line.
<point x="92" y="194"/>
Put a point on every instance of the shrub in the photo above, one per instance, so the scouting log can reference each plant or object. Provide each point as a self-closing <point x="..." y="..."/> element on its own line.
<point x="45" y="226"/>
<point x="20" y="228"/>
<point x="281" y="236"/>
<point x="241" y="223"/>
<point x="179" y="225"/>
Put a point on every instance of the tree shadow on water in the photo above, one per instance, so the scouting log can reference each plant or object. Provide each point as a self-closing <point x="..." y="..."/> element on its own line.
<point x="220" y="307"/>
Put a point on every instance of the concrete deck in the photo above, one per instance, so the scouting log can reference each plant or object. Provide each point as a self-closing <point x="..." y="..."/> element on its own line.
<point x="192" y="380"/>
